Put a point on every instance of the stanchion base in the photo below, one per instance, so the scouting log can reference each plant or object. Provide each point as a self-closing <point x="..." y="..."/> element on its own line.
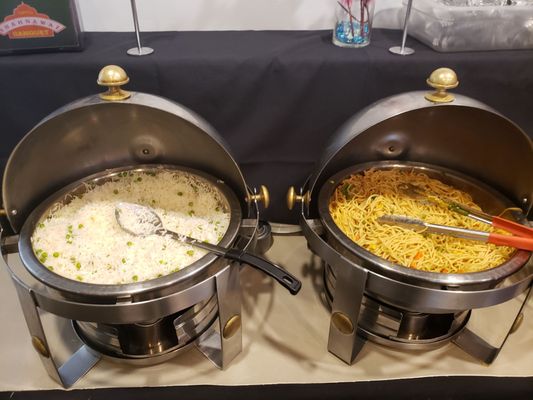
<point x="144" y="51"/>
<point x="407" y="51"/>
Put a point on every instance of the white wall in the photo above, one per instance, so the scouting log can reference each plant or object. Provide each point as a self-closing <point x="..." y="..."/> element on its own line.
<point x="185" y="15"/>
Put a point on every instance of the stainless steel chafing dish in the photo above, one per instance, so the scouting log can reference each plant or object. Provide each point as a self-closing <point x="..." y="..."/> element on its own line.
<point x="88" y="142"/>
<point x="459" y="141"/>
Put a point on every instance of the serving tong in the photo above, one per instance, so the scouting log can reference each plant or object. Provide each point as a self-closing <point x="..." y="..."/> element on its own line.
<point x="522" y="237"/>
<point x="417" y="225"/>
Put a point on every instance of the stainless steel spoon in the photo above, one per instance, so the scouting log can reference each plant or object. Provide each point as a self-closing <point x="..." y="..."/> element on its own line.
<point x="140" y="220"/>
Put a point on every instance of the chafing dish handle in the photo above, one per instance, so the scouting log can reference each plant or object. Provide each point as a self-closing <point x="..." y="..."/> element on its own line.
<point x="287" y="280"/>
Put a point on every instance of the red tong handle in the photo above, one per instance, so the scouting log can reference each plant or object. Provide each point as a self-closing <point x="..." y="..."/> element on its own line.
<point x="511" y="241"/>
<point x="512" y="227"/>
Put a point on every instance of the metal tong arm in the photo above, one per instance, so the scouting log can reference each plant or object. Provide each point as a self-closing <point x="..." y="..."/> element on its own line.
<point x="422" y="226"/>
<point x="497" y="222"/>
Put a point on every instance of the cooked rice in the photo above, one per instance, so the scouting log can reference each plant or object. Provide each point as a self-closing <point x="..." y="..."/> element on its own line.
<point x="83" y="241"/>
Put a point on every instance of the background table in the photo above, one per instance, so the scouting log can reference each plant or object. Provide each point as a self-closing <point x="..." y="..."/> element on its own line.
<point x="276" y="97"/>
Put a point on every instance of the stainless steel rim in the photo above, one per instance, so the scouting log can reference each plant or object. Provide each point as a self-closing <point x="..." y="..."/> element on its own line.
<point x="206" y="265"/>
<point x="374" y="263"/>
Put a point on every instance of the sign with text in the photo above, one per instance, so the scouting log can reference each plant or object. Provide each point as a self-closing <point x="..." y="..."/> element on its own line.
<point x="38" y="25"/>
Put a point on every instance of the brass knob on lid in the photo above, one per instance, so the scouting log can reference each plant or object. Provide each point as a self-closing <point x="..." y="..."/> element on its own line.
<point x="292" y="198"/>
<point x="442" y="79"/>
<point x="113" y="77"/>
<point x="263" y="196"/>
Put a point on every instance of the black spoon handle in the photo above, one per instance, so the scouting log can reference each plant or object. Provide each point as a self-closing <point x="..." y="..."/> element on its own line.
<point x="287" y="280"/>
<point x="290" y="282"/>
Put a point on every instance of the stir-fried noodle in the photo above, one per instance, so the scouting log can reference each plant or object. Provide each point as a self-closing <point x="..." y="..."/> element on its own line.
<point x="361" y="198"/>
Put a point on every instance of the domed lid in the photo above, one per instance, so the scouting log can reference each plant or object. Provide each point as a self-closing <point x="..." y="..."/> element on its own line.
<point x="439" y="128"/>
<point x="112" y="130"/>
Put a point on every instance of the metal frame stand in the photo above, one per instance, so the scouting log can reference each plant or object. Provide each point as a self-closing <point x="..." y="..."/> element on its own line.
<point x="343" y="340"/>
<point x="479" y="348"/>
<point x="223" y="345"/>
<point x="76" y="366"/>
<point x="351" y="284"/>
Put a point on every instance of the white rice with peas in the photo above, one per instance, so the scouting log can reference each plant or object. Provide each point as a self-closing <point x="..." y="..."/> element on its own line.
<point x="83" y="241"/>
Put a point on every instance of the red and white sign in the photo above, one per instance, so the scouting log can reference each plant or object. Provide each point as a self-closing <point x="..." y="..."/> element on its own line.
<point x="26" y="22"/>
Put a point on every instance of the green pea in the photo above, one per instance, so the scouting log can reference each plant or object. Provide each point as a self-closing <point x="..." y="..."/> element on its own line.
<point x="123" y="261"/>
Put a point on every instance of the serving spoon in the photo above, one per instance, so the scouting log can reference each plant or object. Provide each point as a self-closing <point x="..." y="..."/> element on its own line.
<point x="139" y="220"/>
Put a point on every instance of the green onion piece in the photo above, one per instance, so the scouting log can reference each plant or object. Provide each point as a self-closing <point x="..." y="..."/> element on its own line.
<point x="123" y="261"/>
<point x="50" y="268"/>
<point x="191" y="203"/>
<point x="79" y="277"/>
<point x="180" y="193"/>
<point x="135" y="278"/>
<point x="190" y="253"/>
<point x="78" y="266"/>
<point x="130" y="244"/>
<point x="115" y="191"/>
<point x="55" y="254"/>
<point x="80" y="226"/>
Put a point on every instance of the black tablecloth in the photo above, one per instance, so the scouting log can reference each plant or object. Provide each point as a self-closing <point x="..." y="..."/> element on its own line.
<point x="276" y="97"/>
<point x="430" y="388"/>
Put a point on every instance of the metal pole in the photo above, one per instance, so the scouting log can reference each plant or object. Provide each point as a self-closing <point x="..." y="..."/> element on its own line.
<point x="404" y="51"/>
<point x="139" y="51"/>
<point x="136" y="24"/>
